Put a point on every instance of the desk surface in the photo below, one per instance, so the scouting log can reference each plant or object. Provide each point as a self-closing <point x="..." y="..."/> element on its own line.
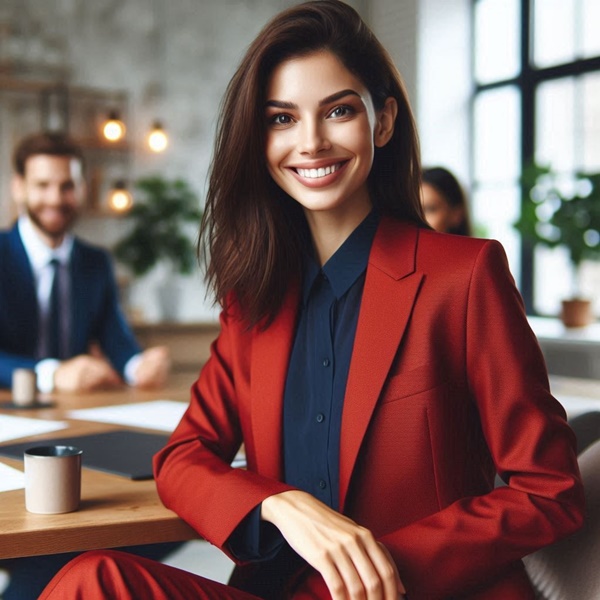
<point x="118" y="512"/>
<point x="114" y="511"/>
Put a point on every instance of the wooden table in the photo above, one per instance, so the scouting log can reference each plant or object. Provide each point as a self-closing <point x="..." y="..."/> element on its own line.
<point x="114" y="511"/>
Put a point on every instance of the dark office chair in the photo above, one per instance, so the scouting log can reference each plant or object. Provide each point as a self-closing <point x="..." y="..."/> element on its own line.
<point x="586" y="428"/>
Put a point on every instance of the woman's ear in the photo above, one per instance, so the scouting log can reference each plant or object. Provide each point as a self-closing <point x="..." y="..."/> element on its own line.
<point x="386" y="119"/>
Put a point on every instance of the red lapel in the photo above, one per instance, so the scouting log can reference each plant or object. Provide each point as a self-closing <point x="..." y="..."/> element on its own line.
<point x="390" y="291"/>
<point x="271" y="350"/>
<point x="391" y="287"/>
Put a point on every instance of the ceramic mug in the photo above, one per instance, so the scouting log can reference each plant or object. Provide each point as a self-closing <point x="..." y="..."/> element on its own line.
<point x="52" y="479"/>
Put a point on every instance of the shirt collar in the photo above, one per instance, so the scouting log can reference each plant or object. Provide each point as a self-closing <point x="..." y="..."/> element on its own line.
<point x="348" y="262"/>
<point x="38" y="252"/>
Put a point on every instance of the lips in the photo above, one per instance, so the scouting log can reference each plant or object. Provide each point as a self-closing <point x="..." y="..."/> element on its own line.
<point x="321" y="176"/>
<point x="317" y="173"/>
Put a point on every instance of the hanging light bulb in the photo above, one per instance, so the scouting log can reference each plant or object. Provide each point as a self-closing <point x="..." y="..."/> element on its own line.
<point x="157" y="139"/>
<point x="113" y="129"/>
<point x="119" y="199"/>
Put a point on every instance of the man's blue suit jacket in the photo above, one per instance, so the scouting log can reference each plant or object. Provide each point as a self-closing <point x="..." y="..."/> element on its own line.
<point x="95" y="311"/>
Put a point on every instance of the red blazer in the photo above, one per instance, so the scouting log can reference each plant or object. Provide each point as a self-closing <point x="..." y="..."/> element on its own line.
<point x="447" y="386"/>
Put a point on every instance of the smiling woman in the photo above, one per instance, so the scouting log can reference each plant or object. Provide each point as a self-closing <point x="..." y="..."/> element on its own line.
<point x="357" y="361"/>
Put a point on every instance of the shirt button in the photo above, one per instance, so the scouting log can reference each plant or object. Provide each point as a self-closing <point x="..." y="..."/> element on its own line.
<point x="325" y="362"/>
<point x="320" y="418"/>
<point x="322" y="484"/>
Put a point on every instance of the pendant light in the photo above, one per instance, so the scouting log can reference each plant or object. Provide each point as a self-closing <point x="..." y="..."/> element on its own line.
<point x="157" y="138"/>
<point x="113" y="128"/>
<point x="120" y="199"/>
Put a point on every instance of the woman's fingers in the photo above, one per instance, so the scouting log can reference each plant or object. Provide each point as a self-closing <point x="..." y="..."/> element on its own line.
<point x="352" y="563"/>
<point x="390" y="563"/>
<point x="376" y="569"/>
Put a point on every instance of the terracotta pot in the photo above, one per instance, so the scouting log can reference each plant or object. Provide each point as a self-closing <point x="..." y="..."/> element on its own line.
<point x="576" y="312"/>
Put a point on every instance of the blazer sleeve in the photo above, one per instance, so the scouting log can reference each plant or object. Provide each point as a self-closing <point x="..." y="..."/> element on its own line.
<point x="476" y="539"/>
<point x="193" y="473"/>
<point x="18" y="308"/>
<point x="114" y="333"/>
<point x="9" y="362"/>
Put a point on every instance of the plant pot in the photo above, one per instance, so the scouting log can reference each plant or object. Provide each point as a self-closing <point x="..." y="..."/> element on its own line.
<point x="169" y="304"/>
<point x="576" y="312"/>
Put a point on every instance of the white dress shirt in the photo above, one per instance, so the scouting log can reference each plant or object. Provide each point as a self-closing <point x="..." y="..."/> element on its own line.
<point x="40" y="256"/>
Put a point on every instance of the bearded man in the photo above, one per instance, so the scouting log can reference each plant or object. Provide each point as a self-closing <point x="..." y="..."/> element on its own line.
<point x="58" y="296"/>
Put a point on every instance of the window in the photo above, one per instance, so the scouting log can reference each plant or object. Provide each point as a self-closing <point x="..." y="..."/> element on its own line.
<point x="536" y="66"/>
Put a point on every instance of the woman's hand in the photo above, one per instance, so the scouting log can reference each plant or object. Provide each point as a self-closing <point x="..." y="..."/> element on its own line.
<point x="351" y="561"/>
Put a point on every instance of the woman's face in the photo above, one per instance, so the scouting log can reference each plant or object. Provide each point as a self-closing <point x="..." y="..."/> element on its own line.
<point x="322" y="130"/>
<point x="438" y="212"/>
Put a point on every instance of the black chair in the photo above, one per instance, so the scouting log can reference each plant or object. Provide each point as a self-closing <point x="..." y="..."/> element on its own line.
<point x="587" y="429"/>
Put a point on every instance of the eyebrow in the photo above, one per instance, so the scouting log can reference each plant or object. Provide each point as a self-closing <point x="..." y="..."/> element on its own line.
<point x="323" y="102"/>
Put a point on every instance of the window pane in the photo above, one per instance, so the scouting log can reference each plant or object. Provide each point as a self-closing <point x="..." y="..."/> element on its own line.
<point x="497" y="131"/>
<point x="555" y="124"/>
<point x="497" y="26"/>
<point x="554" y="32"/>
<point x="568" y="123"/>
<point x="590" y="42"/>
<point x="495" y="209"/>
<point x="552" y="280"/>
<point x="591" y="122"/>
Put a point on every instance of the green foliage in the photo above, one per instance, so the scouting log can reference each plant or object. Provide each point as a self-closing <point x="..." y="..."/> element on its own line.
<point x="160" y="211"/>
<point x="560" y="210"/>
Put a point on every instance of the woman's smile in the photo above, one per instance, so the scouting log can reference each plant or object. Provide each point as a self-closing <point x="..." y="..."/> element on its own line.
<point x="322" y="176"/>
<point x="314" y="173"/>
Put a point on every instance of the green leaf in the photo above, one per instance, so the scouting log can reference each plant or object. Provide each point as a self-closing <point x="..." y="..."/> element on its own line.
<point x="160" y="218"/>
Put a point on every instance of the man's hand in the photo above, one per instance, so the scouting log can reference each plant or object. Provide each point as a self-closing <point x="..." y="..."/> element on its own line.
<point x="351" y="561"/>
<point x="153" y="368"/>
<point x="85" y="373"/>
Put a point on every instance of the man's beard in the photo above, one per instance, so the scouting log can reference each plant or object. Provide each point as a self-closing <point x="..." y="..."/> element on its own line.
<point x="55" y="233"/>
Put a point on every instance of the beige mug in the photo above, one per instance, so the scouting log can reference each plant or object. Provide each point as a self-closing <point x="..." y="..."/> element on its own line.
<point x="52" y="479"/>
<point x="24" y="387"/>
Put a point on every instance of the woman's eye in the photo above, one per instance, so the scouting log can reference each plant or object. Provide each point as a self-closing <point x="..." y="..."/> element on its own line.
<point x="280" y="120"/>
<point x="341" y="111"/>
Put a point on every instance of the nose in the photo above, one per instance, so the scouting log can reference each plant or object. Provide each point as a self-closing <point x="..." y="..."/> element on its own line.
<point x="312" y="137"/>
<point x="54" y="194"/>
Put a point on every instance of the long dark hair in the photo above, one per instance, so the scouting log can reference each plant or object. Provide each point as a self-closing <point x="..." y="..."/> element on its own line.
<point x="447" y="185"/>
<point x="254" y="234"/>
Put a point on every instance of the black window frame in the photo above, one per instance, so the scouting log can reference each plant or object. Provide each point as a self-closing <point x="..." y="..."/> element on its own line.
<point x="527" y="81"/>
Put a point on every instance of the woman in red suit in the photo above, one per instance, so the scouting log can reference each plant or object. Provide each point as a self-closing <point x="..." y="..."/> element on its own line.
<point x="379" y="374"/>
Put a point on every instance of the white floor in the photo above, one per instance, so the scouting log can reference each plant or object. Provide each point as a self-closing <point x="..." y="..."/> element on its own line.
<point x="3" y="581"/>
<point x="202" y="558"/>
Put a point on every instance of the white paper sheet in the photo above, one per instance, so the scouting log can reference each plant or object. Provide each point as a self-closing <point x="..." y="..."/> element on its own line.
<point x="11" y="479"/>
<point x="12" y="428"/>
<point x="163" y="415"/>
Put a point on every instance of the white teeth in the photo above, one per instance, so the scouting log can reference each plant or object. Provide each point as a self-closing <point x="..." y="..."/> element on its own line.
<point x="315" y="173"/>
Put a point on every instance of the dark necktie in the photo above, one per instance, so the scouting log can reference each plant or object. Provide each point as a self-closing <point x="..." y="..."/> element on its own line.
<point x="54" y="314"/>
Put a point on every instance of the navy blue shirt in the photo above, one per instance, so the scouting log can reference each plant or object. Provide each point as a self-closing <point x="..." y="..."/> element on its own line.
<point x="316" y="383"/>
<point x="319" y="364"/>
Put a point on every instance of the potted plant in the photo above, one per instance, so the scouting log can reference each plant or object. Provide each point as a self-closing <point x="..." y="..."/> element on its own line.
<point x="159" y="216"/>
<point x="560" y="210"/>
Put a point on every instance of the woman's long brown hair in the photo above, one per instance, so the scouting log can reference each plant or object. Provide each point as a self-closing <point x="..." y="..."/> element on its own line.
<point x="253" y="235"/>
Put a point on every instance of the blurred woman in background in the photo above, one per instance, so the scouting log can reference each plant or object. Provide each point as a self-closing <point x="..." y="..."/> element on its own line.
<point x="444" y="202"/>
